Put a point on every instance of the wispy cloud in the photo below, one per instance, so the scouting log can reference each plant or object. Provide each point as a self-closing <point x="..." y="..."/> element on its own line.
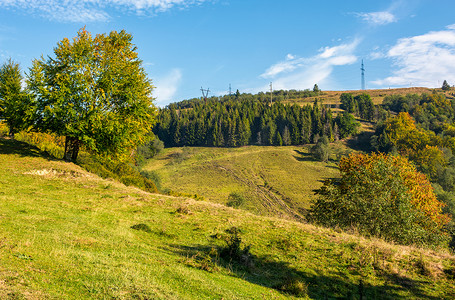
<point x="422" y="60"/>
<point x="167" y="86"/>
<point x="303" y="72"/>
<point x="377" y="18"/>
<point x="92" y="10"/>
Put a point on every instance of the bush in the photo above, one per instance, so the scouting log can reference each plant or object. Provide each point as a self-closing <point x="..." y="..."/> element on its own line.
<point x="153" y="176"/>
<point x="384" y="196"/>
<point x="233" y="251"/>
<point x="293" y="286"/>
<point x="50" y="143"/>
<point x="142" y="227"/>
<point x="148" y="150"/>
<point x="235" y="200"/>
<point x="321" y="150"/>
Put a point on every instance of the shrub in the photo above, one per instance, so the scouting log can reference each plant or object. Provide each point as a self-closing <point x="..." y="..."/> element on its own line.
<point x="148" y="150"/>
<point x="153" y="176"/>
<point x="142" y="227"/>
<point x="50" y="143"/>
<point x="384" y="196"/>
<point x="233" y="251"/>
<point x="321" y="150"/>
<point x="235" y="200"/>
<point x="293" y="286"/>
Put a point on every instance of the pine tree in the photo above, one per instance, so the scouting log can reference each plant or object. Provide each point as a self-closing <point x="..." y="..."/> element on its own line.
<point x="445" y="86"/>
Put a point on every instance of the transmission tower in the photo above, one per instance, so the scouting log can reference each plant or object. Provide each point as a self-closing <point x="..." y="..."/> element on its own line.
<point x="205" y="94"/>
<point x="363" y="75"/>
<point x="230" y="91"/>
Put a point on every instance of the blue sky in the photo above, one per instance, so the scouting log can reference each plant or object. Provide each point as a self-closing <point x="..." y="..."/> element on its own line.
<point x="189" y="44"/>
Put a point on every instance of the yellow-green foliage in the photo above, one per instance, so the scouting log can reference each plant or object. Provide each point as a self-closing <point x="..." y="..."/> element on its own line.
<point x="50" y="143"/>
<point x="272" y="180"/>
<point x="104" y="167"/>
<point x="67" y="234"/>
<point x="3" y="129"/>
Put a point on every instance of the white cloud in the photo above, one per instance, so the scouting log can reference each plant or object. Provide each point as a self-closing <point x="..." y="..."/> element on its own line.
<point x="166" y="87"/>
<point x="91" y="10"/>
<point x="378" y="18"/>
<point x="376" y="55"/>
<point x="422" y="60"/>
<point x="303" y="72"/>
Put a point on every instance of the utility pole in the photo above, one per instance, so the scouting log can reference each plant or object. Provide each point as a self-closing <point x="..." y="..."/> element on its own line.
<point x="206" y="93"/>
<point x="363" y="76"/>
<point x="271" y="90"/>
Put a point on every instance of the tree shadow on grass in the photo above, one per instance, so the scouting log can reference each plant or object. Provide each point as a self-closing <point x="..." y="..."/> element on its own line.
<point x="10" y="146"/>
<point x="270" y="273"/>
<point x="303" y="156"/>
<point x="361" y="142"/>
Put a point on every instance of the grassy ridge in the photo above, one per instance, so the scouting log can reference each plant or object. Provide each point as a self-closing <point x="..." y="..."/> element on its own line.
<point x="333" y="97"/>
<point x="275" y="181"/>
<point x="67" y="234"/>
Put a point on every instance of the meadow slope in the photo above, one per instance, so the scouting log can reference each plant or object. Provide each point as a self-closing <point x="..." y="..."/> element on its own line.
<point x="67" y="234"/>
<point x="275" y="181"/>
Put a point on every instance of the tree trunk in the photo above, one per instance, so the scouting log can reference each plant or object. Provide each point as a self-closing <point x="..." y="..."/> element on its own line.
<point x="71" y="148"/>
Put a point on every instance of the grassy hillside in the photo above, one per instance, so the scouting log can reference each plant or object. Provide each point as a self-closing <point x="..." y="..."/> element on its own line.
<point x="275" y="181"/>
<point x="67" y="234"/>
<point x="333" y="97"/>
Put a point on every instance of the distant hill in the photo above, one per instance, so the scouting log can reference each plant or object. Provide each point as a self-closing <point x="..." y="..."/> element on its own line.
<point x="333" y="97"/>
<point x="308" y="97"/>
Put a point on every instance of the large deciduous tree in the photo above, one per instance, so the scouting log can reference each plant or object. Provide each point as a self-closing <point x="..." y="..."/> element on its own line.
<point x="95" y="92"/>
<point x="15" y="104"/>
<point x="384" y="196"/>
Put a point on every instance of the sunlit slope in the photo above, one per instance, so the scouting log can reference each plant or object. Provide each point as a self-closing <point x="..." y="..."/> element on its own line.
<point x="377" y="96"/>
<point x="277" y="181"/>
<point x="67" y="234"/>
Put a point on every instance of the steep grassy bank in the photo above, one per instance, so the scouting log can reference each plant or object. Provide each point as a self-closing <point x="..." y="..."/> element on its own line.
<point x="67" y="234"/>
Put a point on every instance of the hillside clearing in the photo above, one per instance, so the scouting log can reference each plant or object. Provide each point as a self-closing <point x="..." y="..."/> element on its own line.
<point x="276" y="181"/>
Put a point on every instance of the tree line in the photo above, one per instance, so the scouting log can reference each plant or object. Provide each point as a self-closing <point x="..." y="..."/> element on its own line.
<point x="238" y="122"/>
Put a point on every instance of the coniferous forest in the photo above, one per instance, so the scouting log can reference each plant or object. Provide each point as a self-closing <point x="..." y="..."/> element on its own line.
<point x="239" y="121"/>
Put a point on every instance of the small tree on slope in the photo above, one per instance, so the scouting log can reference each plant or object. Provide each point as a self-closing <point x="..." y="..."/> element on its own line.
<point x="15" y="104"/>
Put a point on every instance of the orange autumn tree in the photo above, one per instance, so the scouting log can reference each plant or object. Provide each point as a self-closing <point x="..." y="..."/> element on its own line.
<point x="384" y="196"/>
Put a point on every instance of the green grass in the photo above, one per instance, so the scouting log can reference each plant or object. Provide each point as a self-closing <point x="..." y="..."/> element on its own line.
<point x="68" y="234"/>
<point x="275" y="181"/>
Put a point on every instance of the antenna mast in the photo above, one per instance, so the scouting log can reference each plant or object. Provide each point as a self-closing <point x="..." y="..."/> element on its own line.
<point x="363" y="75"/>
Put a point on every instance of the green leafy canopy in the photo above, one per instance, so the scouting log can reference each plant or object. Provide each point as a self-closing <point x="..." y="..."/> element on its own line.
<point x="95" y="92"/>
<point x="15" y="105"/>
